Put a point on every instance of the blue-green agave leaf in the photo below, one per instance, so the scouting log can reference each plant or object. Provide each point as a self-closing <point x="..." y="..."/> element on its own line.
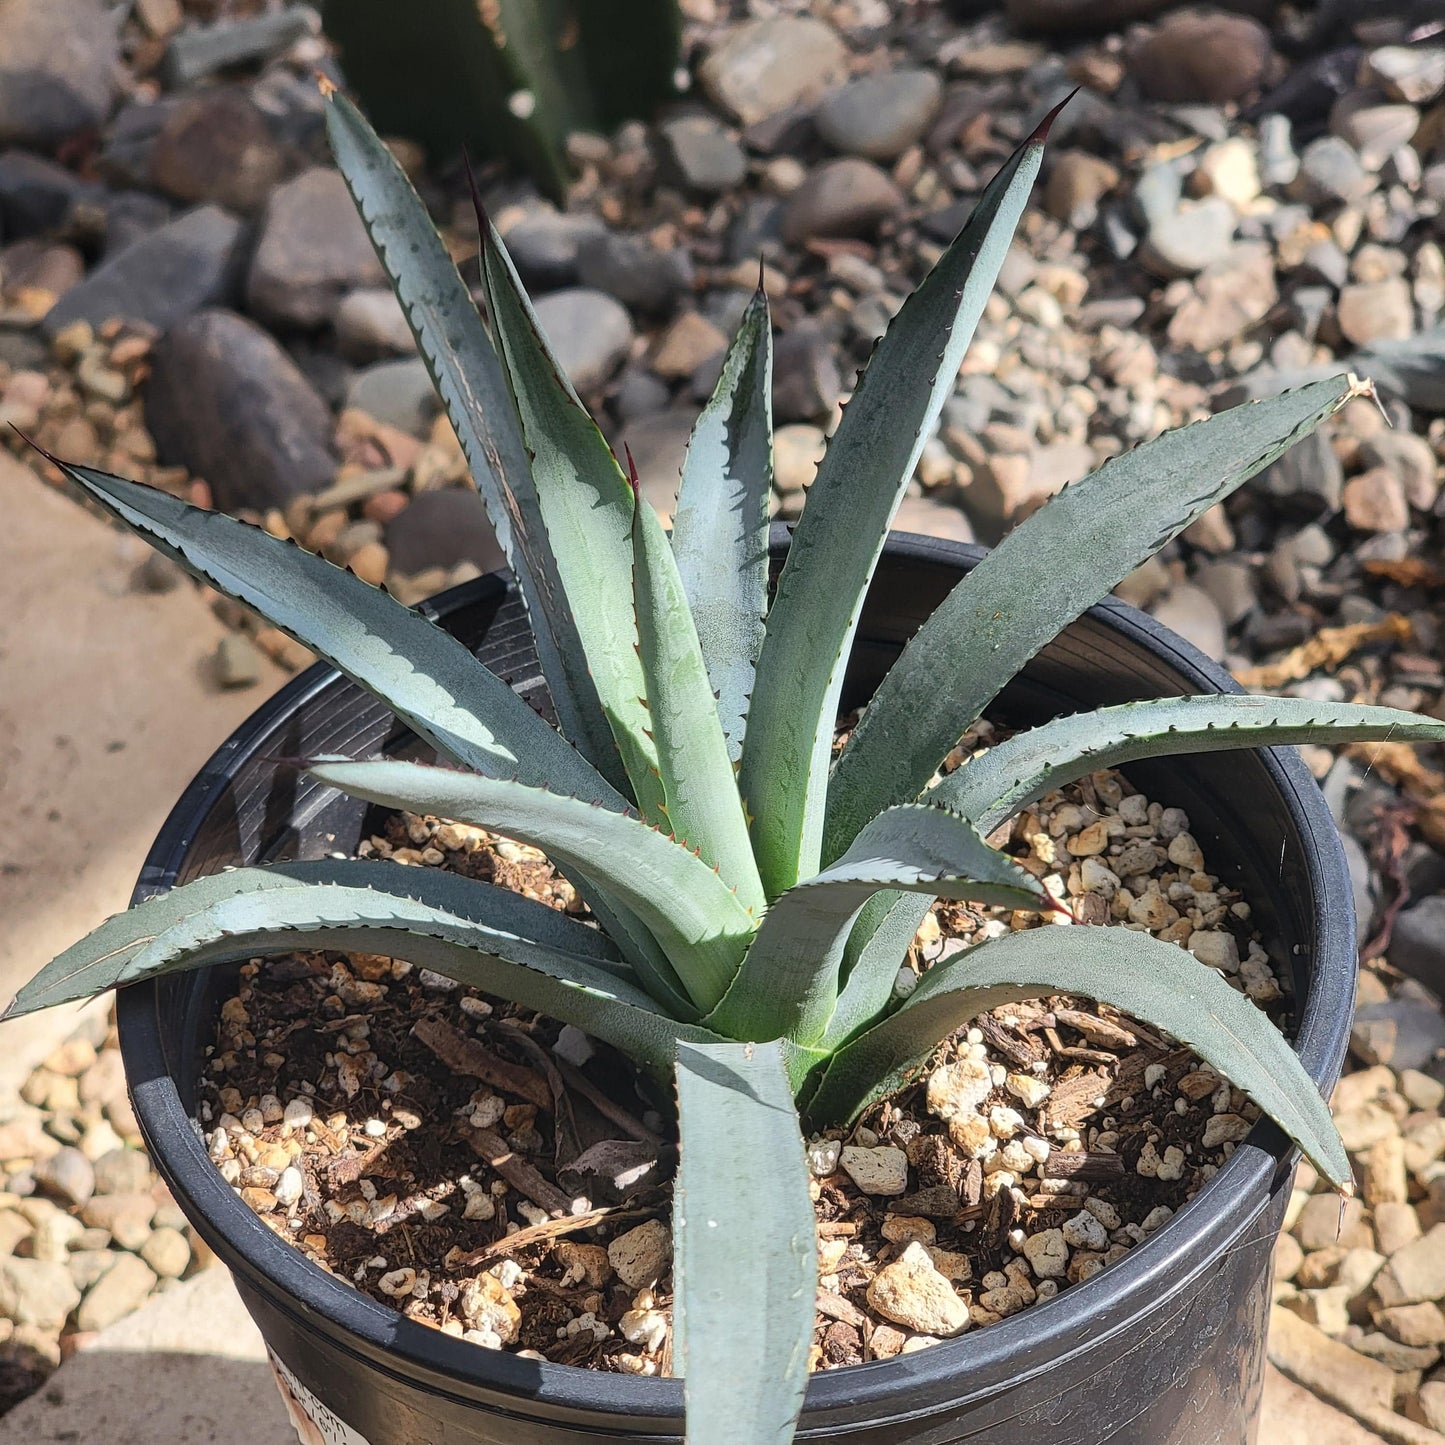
<point x="788" y="984"/>
<point x="569" y="987"/>
<point x="745" y="1262"/>
<point x="836" y="544"/>
<point x="693" y="914"/>
<point x="1049" y="570"/>
<point x="702" y="806"/>
<point x="995" y="785"/>
<point x="468" y="377"/>
<point x="720" y="528"/>
<point x="1159" y="983"/>
<point x="424" y="675"/>
<point x="101" y="959"/>
<point x="585" y="506"/>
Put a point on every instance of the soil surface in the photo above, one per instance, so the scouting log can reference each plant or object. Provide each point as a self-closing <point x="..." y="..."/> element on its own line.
<point x="500" y="1177"/>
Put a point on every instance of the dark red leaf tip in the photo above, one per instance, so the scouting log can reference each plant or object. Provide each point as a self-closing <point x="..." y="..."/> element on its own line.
<point x="1041" y="131"/>
<point x="631" y="470"/>
<point x="483" y="220"/>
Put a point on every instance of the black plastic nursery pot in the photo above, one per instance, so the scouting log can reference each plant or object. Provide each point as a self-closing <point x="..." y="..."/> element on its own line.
<point x="1165" y="1347"/>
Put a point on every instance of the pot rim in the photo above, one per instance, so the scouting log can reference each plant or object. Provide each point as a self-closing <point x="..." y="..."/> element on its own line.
<point x="1013" y="1349"/>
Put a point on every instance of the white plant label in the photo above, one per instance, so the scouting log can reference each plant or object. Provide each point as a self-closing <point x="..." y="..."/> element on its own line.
<point x="314" y="1423"/>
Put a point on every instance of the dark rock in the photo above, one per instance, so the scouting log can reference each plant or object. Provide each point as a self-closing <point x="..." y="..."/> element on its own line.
<point x="1202" y="57"/>
<point x="1073" y="17"/>
<point x="1413" y="369"/>
<point x="1405" y="1032"/>
<point x="1417" y="943"/>
<point x="441" y="529"/>
<point x="639" y="393"/>
<point x="195" y="53"/>
<point x="757" y="228"/>
<point x="216" y="146"/>
<point x="162" y="278"/>
<point x="313" y="249"/>
<point x="227" y="403"/>
<point x="635" y="271"/>
<point x="879" y="116"/>
<point x="589" y="334"/>
<point x="125" y="156"/>
<point x="58" y="61"/>
<point x="806" y="382"/>
<point x="37" y="195"/>
<point x="131" y="215"/>
<point x="1308" y="477"/>
<point x="843" y="198"/>
<point x="764" y="67"/>
<point x="701" y="155"/>
<point x="544" y="246"/>
<point x="1310" y="88"/>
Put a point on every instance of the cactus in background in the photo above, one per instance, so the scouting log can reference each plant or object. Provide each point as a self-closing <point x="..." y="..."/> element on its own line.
<point x="506" y="77"/>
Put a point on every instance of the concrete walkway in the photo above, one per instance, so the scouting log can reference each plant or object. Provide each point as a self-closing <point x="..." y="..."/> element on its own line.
<point x="107" y="708"/>
<point x="188" y="1368"/>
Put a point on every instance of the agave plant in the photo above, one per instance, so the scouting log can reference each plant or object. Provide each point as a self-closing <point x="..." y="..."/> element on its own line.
<point x="755" y="896"/>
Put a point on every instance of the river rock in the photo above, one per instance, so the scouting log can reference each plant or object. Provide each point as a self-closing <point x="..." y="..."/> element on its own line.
<point x="1231" y="295"/>
<point x="313" y="249"/>
<point x="1194" y="615"/>
<point x="544" y="246"/>
<point x="634" y="271"/>
<point x="701" y="155"/>
<point x="398" y="393"/>
<point x="806" y="381"/>
<point x="67" y="1175"/>
<point x="1077" y="183"/>
<point x="372" y="323"/>
<point x="1375" y="502"/>
<point x="227" y="403"/>
<point x="766" y="66"/>
<point x="1374" y="131"/>
<point x="37" y="194"/>
<point x="1202" y="57"/>
<point x="120" y="1290"/>
<point x="441" y="529"/>
<point x="879" y="116"/>
<point x="1331" y="173"/>
<point x="1376" y="311"/>
<point x="216" y="146"/>
<point x="590" y="333"/>
<point x="163" y="278"/>
<point x="36" y="1292"/>
<point x="58" y="69"/>
<point x="1193" y="237"/>
<point x="842" y="198"/>
<point x="1414" y="74"/>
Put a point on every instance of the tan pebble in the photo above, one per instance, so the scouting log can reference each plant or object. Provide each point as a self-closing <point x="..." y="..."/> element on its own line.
<point x="1091" y="841"/>
<point x="1396" y="1225"/>
<point x="370" y="562"/>
<point x="259" y="1199"/>
<point x="905" y="1228"/>
<point x="950" y="1264"/>
<point x="1318" y="1268"/>
<point x="586" y="1263"/>
<point x="970" y="1132"/>
<point x="1323" y="1223"/>
<point x="485" y="1305"/>
<point x="1384" y="1172"/>
<point x="959" y="1087"/>
<point x="1185" y="853"/>
<point x="1288" y="1256"/>
<point x="1047" y="1253"/>
<point x="886" y="1342"/>
<point x="1418" y="1324"/>
<point x="912" y="1293"/>
<point x="641" y="1255"/>
<point x="1422" y="1092"/>
<point x="1224" y="1129"/>
<point x="1028" y="1088"/>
